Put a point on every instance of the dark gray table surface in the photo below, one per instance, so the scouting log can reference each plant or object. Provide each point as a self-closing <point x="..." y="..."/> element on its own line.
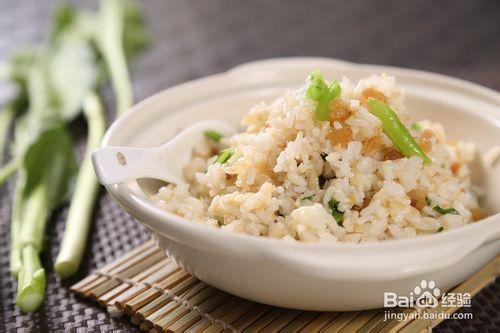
<point x="192" y="39"/>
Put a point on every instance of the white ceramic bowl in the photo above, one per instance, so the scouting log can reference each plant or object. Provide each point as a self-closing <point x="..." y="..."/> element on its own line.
<point x="313" y="276"/>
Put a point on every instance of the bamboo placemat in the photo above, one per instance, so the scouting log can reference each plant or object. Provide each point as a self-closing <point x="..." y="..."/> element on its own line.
<point x="158" y="296"/>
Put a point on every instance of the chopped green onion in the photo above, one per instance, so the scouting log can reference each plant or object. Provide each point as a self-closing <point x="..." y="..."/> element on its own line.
<point x="396" y="131"/>
<point x="337" y="215"/>
<point x="31" y="281"/>
<point x="440" y="229"/>
<point x="84" y="196"/>
<point x="439" y="209"/>
<point x="224" y="155"/>
<point x="309" y="197"/>
<point x="443" y="165"/>
<point x="445" y="211"/>
<point x="323" y="94"/>
<point x="416" y="126"/>
<point x="213" y="135"/>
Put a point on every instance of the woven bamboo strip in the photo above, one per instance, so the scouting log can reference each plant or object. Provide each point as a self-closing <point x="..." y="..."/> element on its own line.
<point x="192" y="317"/>
<point x="265" y="320"/>
<point x="165" y="307"/>
<point x="340" y="321"/>
<point x="251" y="316"/>
<point x="168" y="269"/>
<point x="142" y="277"/>
<point x="218" y="313"/>
<point x="160" y="297"/>
<point x="134" y="304"/>
<point x="362" y="319"/>
<point x="80" y="286"/>
<point x="231" y="316"/>
<point x="320" y="322"/>
<point x="152" y="307"/>
<point x="149" y="322"/>
<point x="299" y="322"/>
<point x="180" y="311"/>
<point x="118" y="269"/>
<point x="377" y="320"/>
<point x="126" y="273"/>
<point x="186" y="290"/>
<point x="394" y="325"/>
<point x="146" y="295"/>
<point x="279" y="323"/>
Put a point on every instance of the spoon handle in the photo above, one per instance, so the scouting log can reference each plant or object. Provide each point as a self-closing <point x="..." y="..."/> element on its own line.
<point x="114" y="165"/>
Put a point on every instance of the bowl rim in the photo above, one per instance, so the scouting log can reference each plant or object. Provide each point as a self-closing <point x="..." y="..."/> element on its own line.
<point x="158" y="217"/>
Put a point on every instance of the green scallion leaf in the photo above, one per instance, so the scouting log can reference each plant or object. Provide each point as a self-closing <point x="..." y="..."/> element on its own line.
<point x="416" y="126"/>
<point x="224" y="155"/>
<point x="445" y="211"/>
<point x="323" y="94"/>
<point x="337" y="215"/>
<point x="213" y="135"/>
<point x="303" y="199"/>
<point x="439" y="209"/>
<point x="396" y="131"/>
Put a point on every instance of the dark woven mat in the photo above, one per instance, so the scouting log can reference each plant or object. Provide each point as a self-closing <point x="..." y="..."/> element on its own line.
<point x="196" y="38"/>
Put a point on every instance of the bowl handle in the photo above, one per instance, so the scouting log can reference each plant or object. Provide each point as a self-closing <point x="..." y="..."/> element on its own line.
<point x="115" y="165"/>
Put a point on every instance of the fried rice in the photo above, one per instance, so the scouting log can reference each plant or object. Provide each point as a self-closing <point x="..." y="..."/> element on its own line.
<point x="291" y="176"/>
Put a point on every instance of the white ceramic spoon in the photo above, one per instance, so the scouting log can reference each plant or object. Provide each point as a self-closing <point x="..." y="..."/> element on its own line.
<point x="114" y="165"/>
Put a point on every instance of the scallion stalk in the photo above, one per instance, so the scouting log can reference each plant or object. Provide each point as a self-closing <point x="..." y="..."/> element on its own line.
<point x="6" y="116"/>
<point x="34" y="218"/>
<point x="15" y="225"/>
<point x="31" y="275"/>
<point x="396" y="131"/>
<point x="112" y="15"/>
<point x="224" y="155"/>
<point x="31" y="281"/>
<point x="213" y="135"/>
<point x="83" y="200"/>
<point x="8" y="170"/>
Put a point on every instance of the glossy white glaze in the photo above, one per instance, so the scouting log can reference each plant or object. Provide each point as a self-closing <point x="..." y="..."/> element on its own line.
<point x="314" y="276"/>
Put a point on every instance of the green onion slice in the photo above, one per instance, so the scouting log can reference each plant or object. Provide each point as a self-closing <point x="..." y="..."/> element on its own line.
<point x="323" y="94"/>
<point x="396" y="131"/>
<point x="213" y="135"/>
<point x="337" y="215"/>
<point x="224" y="155"/>
<point x="445" y="211"/>
<point x="303" y="199"/>
<point x="439" y="209"/>
<point x="416" y="126"/>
